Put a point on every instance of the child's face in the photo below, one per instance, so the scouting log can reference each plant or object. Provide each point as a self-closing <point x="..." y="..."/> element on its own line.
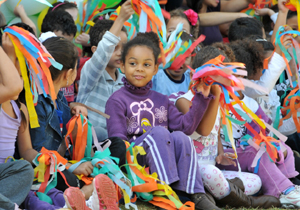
<point x="73" y="12"/>
<point x="139" y="66"/>
<point x="293" y="22"/>
<point x="115" y="59"/>
<point x="173" y="22"/>
<point x="177" y="74"/>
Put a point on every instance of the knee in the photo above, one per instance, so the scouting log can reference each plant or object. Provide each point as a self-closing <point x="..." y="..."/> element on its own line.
<point x="26" y="168"/>
<point x="159" y="130"/>
<point x="180" y="139"/>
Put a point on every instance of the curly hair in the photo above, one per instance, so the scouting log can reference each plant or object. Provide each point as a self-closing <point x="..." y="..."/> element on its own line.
<point x="250" y="53"/>
<point x="226" y="49"/>
<point x="207" y="53"/>
<point x="98" y="30"/>
<point x="244" y="27"/>
<point x="59" y="20"/>
<point x="179" y="13"/>
<point x="149" y="40"/>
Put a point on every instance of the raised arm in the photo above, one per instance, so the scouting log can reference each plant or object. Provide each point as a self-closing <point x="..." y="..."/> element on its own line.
<point x="20" y="12"/>
<point x="217" y="18"/>
<point x="234" y="5"/>
<point x="11" y="83"/>
<point x="281" y="19"/>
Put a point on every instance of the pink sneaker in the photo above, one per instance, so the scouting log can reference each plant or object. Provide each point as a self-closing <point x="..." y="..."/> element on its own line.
<point x="75" y="199"/>
<point x="104" y="194"/>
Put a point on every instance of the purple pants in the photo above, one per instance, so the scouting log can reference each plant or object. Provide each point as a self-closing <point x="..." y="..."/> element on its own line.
<point x="32" y="202"/>
<point x="173" y="157"/>
<point x="274" y="177"/>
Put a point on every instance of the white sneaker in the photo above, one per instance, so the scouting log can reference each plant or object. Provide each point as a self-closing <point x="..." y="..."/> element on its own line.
<point x="292" y="199"/>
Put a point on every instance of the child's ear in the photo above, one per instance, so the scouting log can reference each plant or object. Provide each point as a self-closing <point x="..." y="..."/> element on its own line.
<point x="122" y="67"/>
<point x="156" y="69"/>
<point x="68" y="74"/>
<point x="94" y="48"/>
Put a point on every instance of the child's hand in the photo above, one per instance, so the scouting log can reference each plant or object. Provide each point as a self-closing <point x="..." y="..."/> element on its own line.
<point x="76" y="110"/>
<point x="282" y="7"/>
<point x="264" y="11"/>
<point x="83" y="39"/>
<point x="203" y="88"/>
<point x="19" y="11"/>
<point x="286" y="42"/>
<point x="126" y="11"/>
<point x="215" y="90"/>
<point x="223" y="159"/>
<point x="85" y="168"/>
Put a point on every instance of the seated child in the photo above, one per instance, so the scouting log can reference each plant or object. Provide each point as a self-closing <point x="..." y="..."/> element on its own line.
<point x="274" y="176"/>
<point x="145" y="117"/>
<point x="100" y="77"/>
<point x="15" y="177"/>
<point x="209" y="148"/>
<point x="172" y="81"/>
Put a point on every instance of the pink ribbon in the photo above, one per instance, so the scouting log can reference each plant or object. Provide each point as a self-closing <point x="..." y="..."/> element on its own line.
<point x="192" y="16"/>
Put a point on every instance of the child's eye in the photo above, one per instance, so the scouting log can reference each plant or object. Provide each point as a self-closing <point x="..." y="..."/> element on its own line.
<point x="132" y="64"/>
<point x="147" y="64"/>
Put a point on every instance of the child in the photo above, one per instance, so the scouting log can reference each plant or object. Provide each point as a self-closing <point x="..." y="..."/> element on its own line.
<point x="100" y="76"/>
<point x="15" y="177"/>
<point x="172" y="81"/>
<point x="188" y="18"/>
<point x="61" y="23"/>
<point x="274" y="176"/>
<point x="209" y="149"/>
<point x="144" y="116"/>
<point x="67" y="6"/>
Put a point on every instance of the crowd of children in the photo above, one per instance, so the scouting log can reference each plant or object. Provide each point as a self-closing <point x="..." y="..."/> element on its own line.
<point x="113" y="88"/>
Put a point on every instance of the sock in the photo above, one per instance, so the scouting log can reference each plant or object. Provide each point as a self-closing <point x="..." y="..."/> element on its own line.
<point x="288" y="190"/>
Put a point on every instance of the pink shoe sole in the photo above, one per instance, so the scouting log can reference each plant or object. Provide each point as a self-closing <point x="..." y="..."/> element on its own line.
<point x="106" y="191"/>
<point x="75" y="199"/>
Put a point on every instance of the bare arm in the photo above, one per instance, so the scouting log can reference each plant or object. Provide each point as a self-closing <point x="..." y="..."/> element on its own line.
<point x="217" y="18"/>
<point x="24" y="141"/>
<point x="20" y="12"/>
<point x="281" y="19"/>
<point x="234" y="5"/>
<point x="11" y="83"/>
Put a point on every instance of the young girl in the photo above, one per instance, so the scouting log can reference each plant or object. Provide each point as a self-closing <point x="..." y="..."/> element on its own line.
<point x="274" y="176"/>
<point x="67" y="6"/>
<point x="15" y="177"/>
<point x="209" y="148"/>
<point x="144" y="116"/>
<point x="188" y="18"/>
<point x="169" y="81"/>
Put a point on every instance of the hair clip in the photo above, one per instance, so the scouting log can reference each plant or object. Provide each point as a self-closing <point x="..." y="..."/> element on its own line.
<point x="57" y="6"/>
<point x="192" y="16"/>
<point x="261" y="40"/>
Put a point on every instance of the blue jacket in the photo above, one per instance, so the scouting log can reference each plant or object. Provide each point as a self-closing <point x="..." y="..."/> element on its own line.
<point x="49" y="135"/>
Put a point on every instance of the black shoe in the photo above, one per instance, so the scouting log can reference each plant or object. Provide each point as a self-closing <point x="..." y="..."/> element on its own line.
<point x="202" y="202"/>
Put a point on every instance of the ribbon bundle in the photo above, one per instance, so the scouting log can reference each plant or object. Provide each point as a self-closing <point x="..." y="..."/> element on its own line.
<point x="217" y="72"/>
<point x="149" y="187"/>
<point x="88" y="10"/>
<point x="34" y="61"/>
<point x="176" y="50"/>
<point x="259" y="4"/>
<point x="48" y="164"/>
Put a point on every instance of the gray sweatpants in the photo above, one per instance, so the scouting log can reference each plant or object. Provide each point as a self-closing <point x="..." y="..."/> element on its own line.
<point x="15" y="183"/>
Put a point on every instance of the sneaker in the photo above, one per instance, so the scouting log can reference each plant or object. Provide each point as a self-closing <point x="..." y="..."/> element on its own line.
<point x="291" y="200"/>
<point x="75" y="199"/>
<point x="104" y="195"/>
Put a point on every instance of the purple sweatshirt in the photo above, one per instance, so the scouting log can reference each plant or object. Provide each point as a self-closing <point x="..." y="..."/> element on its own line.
<point x="134" y="111"/>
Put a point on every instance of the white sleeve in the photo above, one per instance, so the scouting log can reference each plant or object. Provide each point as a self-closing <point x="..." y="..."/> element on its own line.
<point x="269" y="78"/>
<point x="274" y="17"/>
<point x="288" y="127"/>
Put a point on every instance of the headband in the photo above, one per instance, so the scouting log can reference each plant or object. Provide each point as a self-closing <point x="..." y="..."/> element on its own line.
<point x="57" y="6"/>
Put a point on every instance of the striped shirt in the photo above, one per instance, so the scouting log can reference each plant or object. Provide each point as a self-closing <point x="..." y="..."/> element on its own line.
<point x="96" y="85"/>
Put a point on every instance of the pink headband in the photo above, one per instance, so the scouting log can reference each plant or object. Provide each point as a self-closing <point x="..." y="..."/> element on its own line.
<point x="191" y="16"/>
<point x="57" y="6"/>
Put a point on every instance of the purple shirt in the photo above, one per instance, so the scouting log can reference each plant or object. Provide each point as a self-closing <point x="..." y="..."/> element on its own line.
<point x="134" y="111"/>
